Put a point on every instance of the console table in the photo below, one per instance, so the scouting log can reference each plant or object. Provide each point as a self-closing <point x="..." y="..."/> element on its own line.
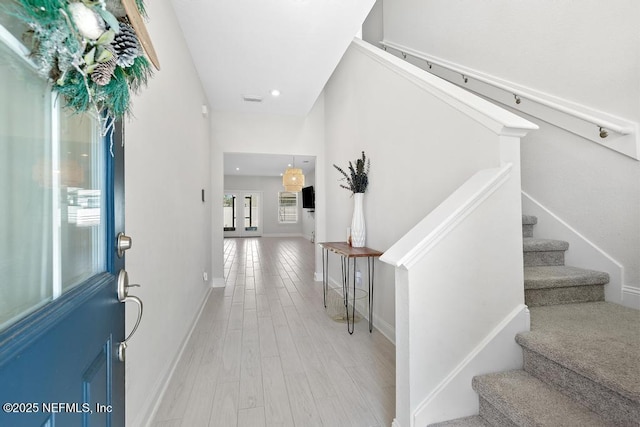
<point x="347" y="252"/>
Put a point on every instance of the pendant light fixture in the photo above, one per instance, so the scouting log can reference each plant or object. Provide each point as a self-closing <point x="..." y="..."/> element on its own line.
<point x="293" y="179"/>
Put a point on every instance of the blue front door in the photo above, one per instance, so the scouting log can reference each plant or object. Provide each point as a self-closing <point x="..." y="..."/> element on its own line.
<point x="61" y="207"/>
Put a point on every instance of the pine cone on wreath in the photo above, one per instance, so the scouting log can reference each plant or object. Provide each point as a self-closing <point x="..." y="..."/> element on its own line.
<point x="126" y="45"/>
<point x="103" y="71"/>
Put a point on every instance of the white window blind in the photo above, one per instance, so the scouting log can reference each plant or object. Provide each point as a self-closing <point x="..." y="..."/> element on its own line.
<point x="287" y="207"/>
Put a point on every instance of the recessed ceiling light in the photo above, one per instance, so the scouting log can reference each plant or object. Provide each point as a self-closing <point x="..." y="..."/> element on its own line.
<point x="237" y="169"/>
<point x="275" y="93"/>
<point x="289" y="165"/>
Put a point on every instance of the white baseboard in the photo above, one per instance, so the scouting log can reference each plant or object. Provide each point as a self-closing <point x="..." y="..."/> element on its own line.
<point x="582" y="252"/>
<point x="498" y="351"/>
<point x="385" y="329"/>
<point x="275" y="235"/>
<point x="395" y="423"/>
<point x="145" y="417"/>
<point x="389" y="331"/>
<point x="218" y="282"/>
<point x="631" y="296"/>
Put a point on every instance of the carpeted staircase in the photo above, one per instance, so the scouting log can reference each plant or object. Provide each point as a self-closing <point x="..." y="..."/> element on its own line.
<point x="581" y="357"/>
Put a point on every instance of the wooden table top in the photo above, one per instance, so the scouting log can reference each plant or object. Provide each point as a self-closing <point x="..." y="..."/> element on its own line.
<point x="344" y="249"/>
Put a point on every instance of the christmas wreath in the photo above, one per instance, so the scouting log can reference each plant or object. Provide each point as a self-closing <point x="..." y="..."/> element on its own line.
<point x="89" y="50"/>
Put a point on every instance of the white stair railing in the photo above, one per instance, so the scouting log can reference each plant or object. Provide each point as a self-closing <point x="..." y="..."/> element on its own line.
<point x="459" y="298"/>
<point x="459" y="272"/>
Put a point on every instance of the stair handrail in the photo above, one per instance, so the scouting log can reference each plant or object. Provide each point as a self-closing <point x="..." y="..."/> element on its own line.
<point x="432" y="229"/>
<point x="493" y="117"/>
<point x="603" y="124"/>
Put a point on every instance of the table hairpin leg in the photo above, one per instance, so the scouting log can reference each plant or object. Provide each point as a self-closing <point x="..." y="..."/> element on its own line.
<point x="351" y="322"/>
<point x="325" y="275"/>
<point x="371" y="270"/>
<point x="345" y="280"/>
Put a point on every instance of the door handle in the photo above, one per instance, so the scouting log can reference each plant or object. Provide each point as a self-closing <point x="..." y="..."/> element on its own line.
<point x="124" y="297"/>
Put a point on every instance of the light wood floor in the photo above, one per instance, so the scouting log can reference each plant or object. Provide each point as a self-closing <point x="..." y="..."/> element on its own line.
<point x="264" y="352"/>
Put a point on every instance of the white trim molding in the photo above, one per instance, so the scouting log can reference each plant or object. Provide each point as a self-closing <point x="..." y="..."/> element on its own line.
<point x="494" y="118"/>
<point x="386" y="329"/>
<point x="496" y="352"/>
<point x="301" y="235"/>
<point x="16" y="45"/>
<point x="218" y="282"/>
<point x="631" y="296"/>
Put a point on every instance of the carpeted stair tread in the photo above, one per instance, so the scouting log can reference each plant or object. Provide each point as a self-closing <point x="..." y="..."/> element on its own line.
<point x="542" y="252"/>
<point x="527" y="401"/>
<point x="581" y="359"/>
<point x="562" y="276"/>
<point x="599" y="340"/>
<point x="473" y="421"/>
<point x="532" y="244"/>
<point x="528" y="222"/>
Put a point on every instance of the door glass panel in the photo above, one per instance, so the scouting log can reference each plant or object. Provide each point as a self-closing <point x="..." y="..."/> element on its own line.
<point x="251" y="213"/>
<point x="81" y="189"/>
<point x="51" y="183"/>
<point x="229" y="209"/>
<point x="25" y="189"/>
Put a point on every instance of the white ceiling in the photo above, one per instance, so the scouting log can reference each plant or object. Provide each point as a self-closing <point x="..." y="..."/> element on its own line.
<point x="265" y="164"/>
<point x="250" y="47"/>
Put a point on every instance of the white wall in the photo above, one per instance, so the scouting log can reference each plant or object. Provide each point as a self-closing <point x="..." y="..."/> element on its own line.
<point x="372" y="27"/>
<point x="404" y="131"/>
<point x="267" y="134"/>
<point x="166" y="166"/>
<point x="269" y="186"/>
<point x="586" y="53"/>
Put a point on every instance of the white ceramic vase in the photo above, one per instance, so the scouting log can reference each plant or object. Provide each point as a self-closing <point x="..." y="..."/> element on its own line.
<point x="358" y="231"/>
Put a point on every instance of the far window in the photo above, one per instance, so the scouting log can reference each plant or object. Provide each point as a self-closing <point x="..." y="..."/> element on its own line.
<point x="287" y="207"/>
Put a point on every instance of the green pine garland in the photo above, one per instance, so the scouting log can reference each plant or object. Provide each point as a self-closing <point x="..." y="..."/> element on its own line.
<point x="67" y="56"/>
<point x="142" y="9"/>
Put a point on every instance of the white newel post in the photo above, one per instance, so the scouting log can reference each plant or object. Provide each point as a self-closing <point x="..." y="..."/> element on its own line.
<point x="358" y="231"/>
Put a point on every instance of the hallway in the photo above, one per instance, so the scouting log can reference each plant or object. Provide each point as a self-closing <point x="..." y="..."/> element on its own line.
<point x="264" y="353"/>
